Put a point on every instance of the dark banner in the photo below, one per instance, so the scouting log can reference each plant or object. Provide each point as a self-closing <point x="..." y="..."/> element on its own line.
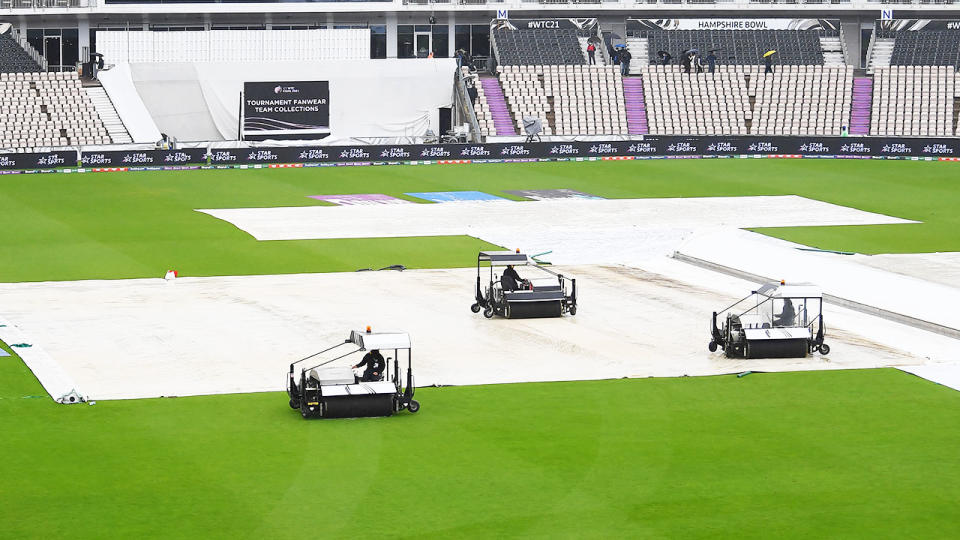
<point x="276" y="110"/>
<point x="756" y="23"/>
<point x="142" y="158"/>
<point x="650" y="146"/>
<point x="585" y="24"/>
<point x="41" y="160"/>
<point x="915" y="25"/>
<point x="659" y="146"/>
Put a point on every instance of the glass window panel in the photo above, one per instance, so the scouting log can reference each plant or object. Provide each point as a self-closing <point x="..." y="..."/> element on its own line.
<point x="461" y="39"/>
<point x="378" y="42"/>
<point x="441" y="41"/>
<point x="480" y="40"/>
<point x="405" y="41"/>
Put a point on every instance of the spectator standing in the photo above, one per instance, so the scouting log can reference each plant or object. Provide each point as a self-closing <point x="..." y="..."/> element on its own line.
<point x="687" y="60"/>
<point x="711" y="62"/>
<point x="591" y="54"/>
<point x="768" y="62"/>
<point x="625" y="58"/>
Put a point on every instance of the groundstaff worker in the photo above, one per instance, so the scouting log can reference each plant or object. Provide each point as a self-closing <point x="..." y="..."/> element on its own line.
<point x="510" y="280"/>
<point x="374" y="363"/>
<point x="787" y="316"/>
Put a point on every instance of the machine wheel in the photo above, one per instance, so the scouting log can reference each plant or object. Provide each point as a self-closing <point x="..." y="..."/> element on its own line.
<point x="304" y="411"/>
<point x="294" y="404"/>
<point x="507" y="311"/>
<point x="488" y="313"/>
<point x="573" y="310"/>
<point x="712" y="346"/>
<point x="824" y="348"/>
<point x="414" y="406"/>
<point x="475" y="308"/>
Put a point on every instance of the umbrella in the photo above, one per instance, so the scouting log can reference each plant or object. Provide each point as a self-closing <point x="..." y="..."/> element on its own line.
<point x="621" y="46"/>
<point x="768" y="53"/>
<point x="694" y="50"/>
<point x="662" y="53"/>
<point x="714" y="50"/>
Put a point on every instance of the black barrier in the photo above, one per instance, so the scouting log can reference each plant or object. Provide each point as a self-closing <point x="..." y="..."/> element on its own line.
<point x="650" y="146"/>
<point x="40" y="160"/>
<point x="659" y="146"/>
<point x="140" y="158"/>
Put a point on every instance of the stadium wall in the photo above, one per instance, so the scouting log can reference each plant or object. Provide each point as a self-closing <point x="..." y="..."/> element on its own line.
<point x="368" y="98"/>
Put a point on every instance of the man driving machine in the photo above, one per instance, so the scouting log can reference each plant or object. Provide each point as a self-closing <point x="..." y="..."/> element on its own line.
<point x="375" y="364"/>
<point x="510" y="280"/>
<point x="787" y="316"/>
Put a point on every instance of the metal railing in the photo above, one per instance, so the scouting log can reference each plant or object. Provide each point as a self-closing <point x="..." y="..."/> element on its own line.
<point x="464" y="105"/>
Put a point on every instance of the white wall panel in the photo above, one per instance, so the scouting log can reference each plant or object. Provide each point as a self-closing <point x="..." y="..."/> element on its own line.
<point x="235" y="46"/>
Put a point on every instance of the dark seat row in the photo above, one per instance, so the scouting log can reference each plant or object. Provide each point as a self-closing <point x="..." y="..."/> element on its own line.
<point x="538" y="47"/>
<point x="926" y="48"/>
<point x="13" y="59"/>
<point x="795" y="47"/>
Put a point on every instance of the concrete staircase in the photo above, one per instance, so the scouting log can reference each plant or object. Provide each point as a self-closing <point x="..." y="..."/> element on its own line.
<point x="881" y="49"/>
<point x="639" y="54"/>
<point x="502" y="121"/>
<point x="832" y="51"/>
<point x="636" y="105"/>
<point x="860" y="107"/>
<point x="108" y="115"/>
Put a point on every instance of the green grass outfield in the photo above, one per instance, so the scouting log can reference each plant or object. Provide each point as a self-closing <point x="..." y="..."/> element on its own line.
<point x="865" y="454"/>
<point x="140" y="224"/>
<point x="860" y="454"/>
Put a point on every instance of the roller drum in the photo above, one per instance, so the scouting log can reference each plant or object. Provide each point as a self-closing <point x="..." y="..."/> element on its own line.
<point x="358" y="406"/>
<point x="532" y="310"/>
<point x="776" y="348"/>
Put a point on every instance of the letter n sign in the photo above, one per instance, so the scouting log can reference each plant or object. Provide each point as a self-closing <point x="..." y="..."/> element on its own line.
<point x="503" y="14"/>
<point x="886" y="14"/>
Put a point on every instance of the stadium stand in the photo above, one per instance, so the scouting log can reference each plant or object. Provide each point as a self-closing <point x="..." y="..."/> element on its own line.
<point x="796" y="47"/>
<point x="914" y="100"/>
<point x="13" y="58"/>
<point x="925" y="48"/>
<point x="795" y="100"/>
<point x="553" y="46"/>
<point x="570" y="99"/>
<point x="801" y="100"/>
<point x="47" y="110"/>
<point x="684" y="104"/>
<point x="914" y="86"/>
